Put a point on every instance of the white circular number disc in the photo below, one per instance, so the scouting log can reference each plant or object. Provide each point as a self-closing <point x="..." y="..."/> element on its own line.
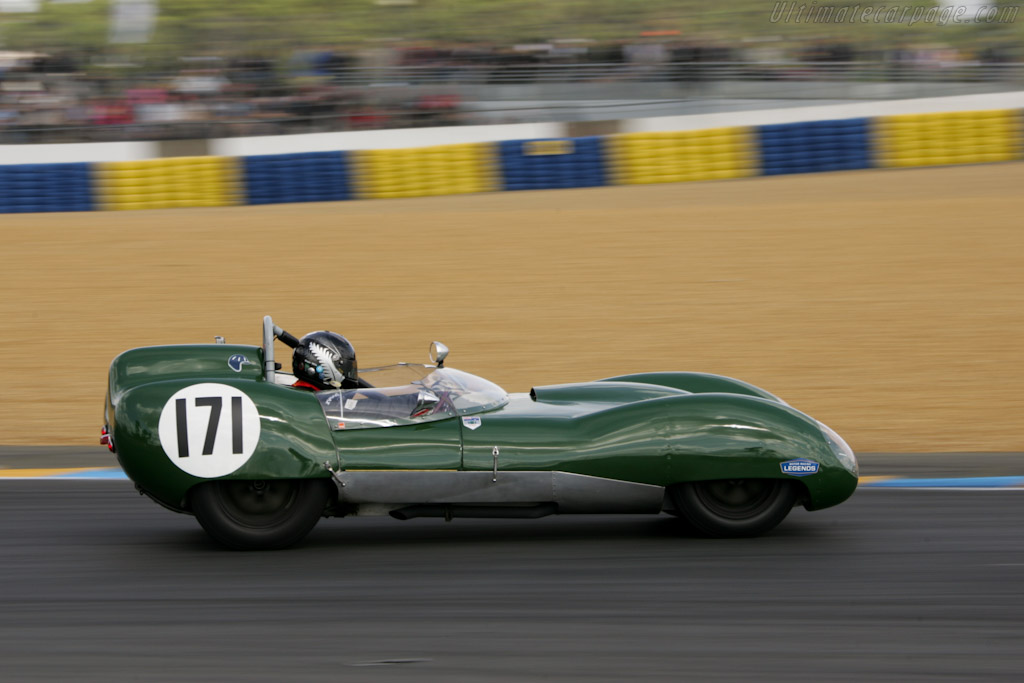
<point x="209" y="430"/>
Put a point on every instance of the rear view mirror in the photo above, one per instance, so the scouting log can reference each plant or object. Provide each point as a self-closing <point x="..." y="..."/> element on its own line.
<point x="438" y="352"/>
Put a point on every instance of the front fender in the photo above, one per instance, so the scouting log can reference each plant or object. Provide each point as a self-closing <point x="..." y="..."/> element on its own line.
<point x="294" y="439"/>
<point x="697" y="383"/>
<point x="731" y="436"/>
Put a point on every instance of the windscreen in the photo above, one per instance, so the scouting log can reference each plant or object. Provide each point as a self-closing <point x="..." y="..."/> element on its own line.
<point x="408" y="394"/>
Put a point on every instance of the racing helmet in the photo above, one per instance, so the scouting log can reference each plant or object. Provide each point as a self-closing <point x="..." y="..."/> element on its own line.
<point x="326" y="360"/>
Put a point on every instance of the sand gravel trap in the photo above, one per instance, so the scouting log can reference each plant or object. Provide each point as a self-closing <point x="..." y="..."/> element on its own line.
<point x="889" y="304"/>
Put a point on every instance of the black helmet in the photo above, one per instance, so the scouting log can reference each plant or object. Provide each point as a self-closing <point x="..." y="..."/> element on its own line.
<point x="326" y="360"/>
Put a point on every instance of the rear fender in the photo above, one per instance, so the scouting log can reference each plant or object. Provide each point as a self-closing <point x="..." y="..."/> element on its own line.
<point x="294" y="440"/>
<point x="196" y="362"/>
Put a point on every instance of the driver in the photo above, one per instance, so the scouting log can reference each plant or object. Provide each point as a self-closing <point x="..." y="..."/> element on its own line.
<point x="325" y="360"/>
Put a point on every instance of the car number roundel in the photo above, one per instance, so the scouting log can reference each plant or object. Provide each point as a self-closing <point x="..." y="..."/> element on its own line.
<point x="209" y="430"/>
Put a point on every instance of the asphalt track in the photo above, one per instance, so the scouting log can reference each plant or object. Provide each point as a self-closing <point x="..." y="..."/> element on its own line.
<point x="99" y="584"/>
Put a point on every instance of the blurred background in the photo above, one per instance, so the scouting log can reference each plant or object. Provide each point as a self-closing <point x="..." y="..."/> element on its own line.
<point x="858" y="295"/>
<point x="95" y="70"/>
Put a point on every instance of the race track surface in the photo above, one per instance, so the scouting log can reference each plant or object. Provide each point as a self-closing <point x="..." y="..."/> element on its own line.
<point x="100" y="584"/>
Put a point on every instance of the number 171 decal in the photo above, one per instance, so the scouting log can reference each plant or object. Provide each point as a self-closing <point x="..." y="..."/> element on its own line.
<point x="209" y="430"/>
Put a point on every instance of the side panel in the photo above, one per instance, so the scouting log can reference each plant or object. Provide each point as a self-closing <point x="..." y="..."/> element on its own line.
<point x="563" y="436"/>
<point x="293" y="439"/>
<point x="427" y="446"/>
<point x="661" y="441"/>
<point x="574" y="493"/>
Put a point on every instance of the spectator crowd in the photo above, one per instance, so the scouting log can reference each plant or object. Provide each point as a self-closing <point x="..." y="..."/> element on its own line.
<point x="56" y="97"/>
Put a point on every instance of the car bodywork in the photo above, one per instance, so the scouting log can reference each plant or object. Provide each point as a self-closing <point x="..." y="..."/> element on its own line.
<point x="618" y="444"/>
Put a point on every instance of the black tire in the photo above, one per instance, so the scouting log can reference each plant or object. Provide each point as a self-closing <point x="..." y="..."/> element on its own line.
<point x="267" y="514"/>
<point x="732" y="508"/>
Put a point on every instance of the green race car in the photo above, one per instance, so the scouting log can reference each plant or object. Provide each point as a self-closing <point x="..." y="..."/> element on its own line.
<point x="216" y="431"/>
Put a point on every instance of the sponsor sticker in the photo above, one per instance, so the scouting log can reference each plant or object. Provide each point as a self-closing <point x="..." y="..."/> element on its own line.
<point x="237" y="361"/>
<point x="472" y="422"/>
<point x="801" y="467"/>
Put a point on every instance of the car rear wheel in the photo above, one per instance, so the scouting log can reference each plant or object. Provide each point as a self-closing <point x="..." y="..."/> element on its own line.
<point x="730" y="508"/>
<point x="265" y="514"/>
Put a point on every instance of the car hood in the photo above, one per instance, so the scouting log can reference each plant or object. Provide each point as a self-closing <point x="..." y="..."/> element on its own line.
<point x="602" y="392"/>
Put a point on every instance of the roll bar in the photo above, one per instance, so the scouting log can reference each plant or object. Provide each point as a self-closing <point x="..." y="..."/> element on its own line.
<point x="271" y="332"/>
<point x="269" y="366"/>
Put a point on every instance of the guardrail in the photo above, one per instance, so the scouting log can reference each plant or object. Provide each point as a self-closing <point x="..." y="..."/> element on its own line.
<point x="861" y="71"/>
<point x="541" y="72"/>
<point x="909" y="140"/>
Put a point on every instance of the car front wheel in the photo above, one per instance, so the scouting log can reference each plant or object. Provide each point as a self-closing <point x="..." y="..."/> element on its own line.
<point x="731" y="508"/>
<point x="266" y="514"/>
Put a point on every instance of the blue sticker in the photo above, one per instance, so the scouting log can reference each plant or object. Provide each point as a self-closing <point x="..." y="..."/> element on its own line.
<point x="471" y="422"/>
<point x="801" y="467"/>
<point x="237" y="361"/>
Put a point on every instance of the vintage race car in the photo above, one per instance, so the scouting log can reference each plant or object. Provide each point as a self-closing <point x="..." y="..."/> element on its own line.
<point x="216" y="431"/>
